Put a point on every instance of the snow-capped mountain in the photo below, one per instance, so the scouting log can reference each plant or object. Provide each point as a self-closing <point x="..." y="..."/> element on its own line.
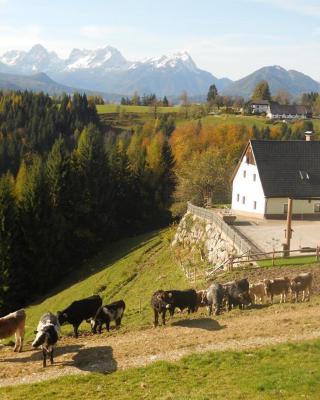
<point x="106" y="69"/>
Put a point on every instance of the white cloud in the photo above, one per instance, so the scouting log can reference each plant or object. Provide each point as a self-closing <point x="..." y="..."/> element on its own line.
<point x="303" y="7"/>
<point x="100" y="31"/>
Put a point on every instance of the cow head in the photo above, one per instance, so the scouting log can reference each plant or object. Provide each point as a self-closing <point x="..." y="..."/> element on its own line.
<point x="62" y="317"/>
<point x="39" y="339"/>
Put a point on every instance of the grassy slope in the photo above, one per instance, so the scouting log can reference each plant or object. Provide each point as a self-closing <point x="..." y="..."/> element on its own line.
<point x="112" y="108"/>
<point x="131" y="269"/>
<point x="282" y="372"/>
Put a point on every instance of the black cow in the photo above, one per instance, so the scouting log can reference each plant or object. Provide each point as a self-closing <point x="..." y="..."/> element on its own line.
<point x="79" y="311"/>
<point x="159" y="302"/>
<point x="164" y="300"/>
<point x="106" y="314"/>
<point x="237" y="293"/>
<point x="47" y="335"/>
<point x="215" y="295"/>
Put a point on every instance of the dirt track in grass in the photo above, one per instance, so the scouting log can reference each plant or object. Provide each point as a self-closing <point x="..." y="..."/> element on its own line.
<point x="237" y="330"/>
<point x="261" y="325"/>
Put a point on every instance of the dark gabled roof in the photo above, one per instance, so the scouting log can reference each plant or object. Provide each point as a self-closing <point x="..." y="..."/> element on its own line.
<point x="288" y="168"/>
<point x="260" y="102"/>
<point x="277" y="108"/>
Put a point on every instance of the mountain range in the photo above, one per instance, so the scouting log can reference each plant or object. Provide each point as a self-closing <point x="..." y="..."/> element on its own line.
<point x="107" y="71"/>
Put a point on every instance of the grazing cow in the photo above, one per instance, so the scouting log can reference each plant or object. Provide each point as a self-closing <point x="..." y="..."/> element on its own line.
<point x="278" y="286"/>
<point x="47" y="335"/>
<point x="237" y="293"/>
<point x="182" y="299"/>
<point x="106" y="314"/>
<point x="257" y="291"/>
<point x="79" y="311"/>
<point x="301" y="283"/>
<point x="159" y="302"/>
<point x="215" y="295"/>
<point x="14" y="323"/>
<point x="202" y="300"/>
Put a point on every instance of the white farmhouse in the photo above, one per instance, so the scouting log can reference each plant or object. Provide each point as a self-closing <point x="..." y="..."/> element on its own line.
<point x="269" y="172"/>
<point x="259" y="106"/>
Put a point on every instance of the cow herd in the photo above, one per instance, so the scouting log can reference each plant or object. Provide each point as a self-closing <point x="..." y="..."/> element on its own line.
<point x="48" y="329"/>
<point x="216" y="298"/>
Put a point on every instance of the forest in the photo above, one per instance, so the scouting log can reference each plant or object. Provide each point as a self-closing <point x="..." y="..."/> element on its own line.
<point x="67" y="186"/>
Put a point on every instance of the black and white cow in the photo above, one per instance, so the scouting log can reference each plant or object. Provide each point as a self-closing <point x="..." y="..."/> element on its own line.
<point x="79" y="311"/>
<point x="47" y="335"/>
<point x="106" y="314"/>
<point x="237" y="293"/>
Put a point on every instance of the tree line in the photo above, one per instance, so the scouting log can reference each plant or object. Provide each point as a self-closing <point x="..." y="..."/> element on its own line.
<point x="68" y="189"/>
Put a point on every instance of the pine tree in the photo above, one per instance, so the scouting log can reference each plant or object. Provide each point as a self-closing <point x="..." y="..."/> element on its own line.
<point x="261" y="91"/>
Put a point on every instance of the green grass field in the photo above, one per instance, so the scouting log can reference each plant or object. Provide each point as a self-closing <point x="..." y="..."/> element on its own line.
<point x="289" y="371"/>
<point x="213" y="120"/>
<point x="130" y="269"/>
<point x="115" y="108"/>
<point x="299" y="260"/>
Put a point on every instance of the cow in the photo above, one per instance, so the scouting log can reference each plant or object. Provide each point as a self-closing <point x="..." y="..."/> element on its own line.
<point x="237" y="293"/>
<point x="215" y="295"/>
<point x="14" y="323"/>
<point x="47" y="335"/>
<point x="202" y="300"/>
<point x="159" y="302"/>
<point x="167" y="300"/>
<point x="182" y="299"/>
<point x="257" y="291"/>
<point x="106" y="314"/>
<point x="301" y="283"/>
<point x="79" y="311"/>
<point x="277" y="286"/>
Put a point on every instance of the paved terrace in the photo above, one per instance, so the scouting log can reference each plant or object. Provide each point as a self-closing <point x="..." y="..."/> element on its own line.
<point x="266" y="233"/>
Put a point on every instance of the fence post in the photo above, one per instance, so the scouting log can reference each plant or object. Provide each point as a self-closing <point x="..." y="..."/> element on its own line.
<point x="317" y="252"/>
<point x="273" y="258"/>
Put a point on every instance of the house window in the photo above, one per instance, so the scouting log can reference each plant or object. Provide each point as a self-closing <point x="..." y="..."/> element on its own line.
<point x="244" y="173"/>
<point x="285" y="209"/>
<point x="317" y="208"/>
<point x="254" y="177"/>
<point x="254" y="205"/>
<point x="238" y="198"/>
<point x="243" y="199"/>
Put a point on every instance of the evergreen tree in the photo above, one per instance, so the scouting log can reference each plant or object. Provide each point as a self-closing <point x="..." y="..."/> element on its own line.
<point x="212" y="94"/>
<point x="261" y="91"/>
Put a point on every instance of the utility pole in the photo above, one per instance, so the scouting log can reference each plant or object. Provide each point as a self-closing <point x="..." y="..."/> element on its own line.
<point x="288" y="231"/>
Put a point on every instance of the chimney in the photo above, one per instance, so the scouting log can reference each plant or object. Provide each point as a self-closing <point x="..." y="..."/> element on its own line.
<point x="308" y="135"/>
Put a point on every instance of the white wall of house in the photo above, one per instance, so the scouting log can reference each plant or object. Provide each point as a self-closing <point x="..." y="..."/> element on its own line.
<point x="276" y="206"/>
<point x="259" y="108"/>
<point x="247" y="193"/>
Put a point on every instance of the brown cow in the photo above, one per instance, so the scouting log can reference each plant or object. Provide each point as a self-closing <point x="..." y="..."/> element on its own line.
<point x="301" y="283"/>
<point x="14" y="323"/>
<point x="278" y="286"/>
<point x="257" y="291"/>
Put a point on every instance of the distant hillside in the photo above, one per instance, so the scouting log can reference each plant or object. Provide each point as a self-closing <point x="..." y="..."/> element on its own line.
<point x="40" y="82"/>
<point x="278" y="78"/>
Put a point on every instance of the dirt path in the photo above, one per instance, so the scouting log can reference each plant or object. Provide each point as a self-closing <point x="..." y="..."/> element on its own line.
<point x="237" y="330"/>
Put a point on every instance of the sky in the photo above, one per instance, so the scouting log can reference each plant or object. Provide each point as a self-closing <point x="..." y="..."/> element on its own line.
<point x="229" y="38"/>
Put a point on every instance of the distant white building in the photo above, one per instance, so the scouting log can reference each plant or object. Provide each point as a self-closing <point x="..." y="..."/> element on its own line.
<point x="269" y="172"/>
<point x="259" y="106"/>
<point x="274" y="110"/>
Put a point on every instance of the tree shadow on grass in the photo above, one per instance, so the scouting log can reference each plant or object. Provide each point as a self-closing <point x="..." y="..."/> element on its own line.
<point x="207" y="324"/>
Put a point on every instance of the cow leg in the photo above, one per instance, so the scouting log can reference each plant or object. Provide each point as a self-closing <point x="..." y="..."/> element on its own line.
<point x="44" y="353"/>
<point x="17" y="337"/>
<point x="156" y="318"/>
<point x="164" y="317"/>
<point x="75" y="328"/>
<point x="118" y="323"/>
<point x="210" y="309"/>
<point x="108" y="325"/>
<point x="51" y="356"/>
